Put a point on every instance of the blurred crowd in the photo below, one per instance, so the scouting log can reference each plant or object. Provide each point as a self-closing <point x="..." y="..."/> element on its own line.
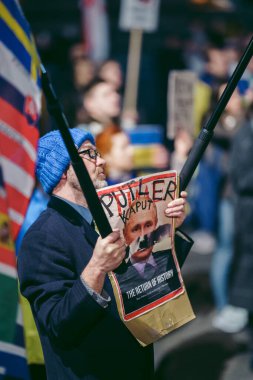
<point x="220" y="193"/>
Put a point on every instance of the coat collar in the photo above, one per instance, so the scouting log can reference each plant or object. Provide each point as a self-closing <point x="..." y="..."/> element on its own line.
<point x="73" y="217"/>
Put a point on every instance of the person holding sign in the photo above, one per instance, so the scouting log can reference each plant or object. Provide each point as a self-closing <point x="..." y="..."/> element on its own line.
<point x="63" y="268"/>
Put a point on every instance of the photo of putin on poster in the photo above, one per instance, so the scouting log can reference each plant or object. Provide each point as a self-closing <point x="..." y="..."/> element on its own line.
<point x="149" y="275"/>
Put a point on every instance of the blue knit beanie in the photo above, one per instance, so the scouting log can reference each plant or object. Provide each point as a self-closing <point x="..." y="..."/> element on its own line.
<point x="53" y="158"/>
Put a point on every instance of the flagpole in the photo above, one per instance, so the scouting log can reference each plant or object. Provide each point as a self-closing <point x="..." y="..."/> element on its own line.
<point x="206" y="133"/>
<point x="55" y="110"/>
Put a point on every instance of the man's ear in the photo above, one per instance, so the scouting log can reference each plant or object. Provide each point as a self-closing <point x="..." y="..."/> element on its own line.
<point x="61" y="183"/>
<point x="64" y="175"/>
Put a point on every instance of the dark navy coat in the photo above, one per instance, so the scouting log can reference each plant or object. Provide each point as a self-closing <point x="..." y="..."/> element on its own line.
<point x="80" y="339"/>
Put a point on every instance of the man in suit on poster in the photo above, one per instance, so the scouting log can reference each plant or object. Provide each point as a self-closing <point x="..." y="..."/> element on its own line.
<point x="142" y="264"/>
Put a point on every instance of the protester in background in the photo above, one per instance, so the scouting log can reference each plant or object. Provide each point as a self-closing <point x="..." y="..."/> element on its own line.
<point x="63" y="271"/>
<point x="114" y="145"/>
<point x="100" y="106"/>
<point x="241" y="284"/>
<point x="111" y="72"/>
<point x="228" y="318"/>
<point x="83" y="68"/>
<point x="83" y="72"/>
<point x="204" y="195"/>
<point x="216" y="69"/>
<point x="183" y="142"/>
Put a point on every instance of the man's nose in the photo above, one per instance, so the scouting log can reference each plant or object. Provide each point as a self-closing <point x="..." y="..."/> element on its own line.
<point x="141" y="237"/>
<point x="143" y="242"/>
<point x="143" y="232"/>
<point x="100" y="161"/>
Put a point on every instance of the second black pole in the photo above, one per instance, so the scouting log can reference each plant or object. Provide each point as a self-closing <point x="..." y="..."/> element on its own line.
<point x="206" y="133"/>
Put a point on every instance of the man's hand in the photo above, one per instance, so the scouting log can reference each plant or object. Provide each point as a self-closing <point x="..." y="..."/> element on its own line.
<point x="108" y="254"/>
<point x="176" y="209"/>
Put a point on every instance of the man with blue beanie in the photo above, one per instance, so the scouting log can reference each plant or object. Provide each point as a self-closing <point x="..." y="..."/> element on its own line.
<point x="63" y="268"/>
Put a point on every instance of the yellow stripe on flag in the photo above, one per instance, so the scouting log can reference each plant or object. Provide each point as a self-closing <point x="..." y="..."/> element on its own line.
<point x="21" y="35"/>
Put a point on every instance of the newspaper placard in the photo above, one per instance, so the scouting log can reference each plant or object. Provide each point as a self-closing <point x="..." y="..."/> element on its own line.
<point x="181" y="101"/>
<point x="148" y="285"/>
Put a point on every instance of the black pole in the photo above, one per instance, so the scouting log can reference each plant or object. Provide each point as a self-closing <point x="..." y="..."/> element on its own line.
<point x="206" y="133"/>
<point x="55" y="110"/>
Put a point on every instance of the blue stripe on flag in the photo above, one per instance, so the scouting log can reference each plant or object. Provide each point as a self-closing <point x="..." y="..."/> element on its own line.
<point x="13" y="366"/>
<point x="17" y="14"/>
<point x="19" y="335"/>
<point x="12" y="43"/>
<point x="1" y="178"/>
<point x="38" y="82"/>
<point x="11" y="95"/>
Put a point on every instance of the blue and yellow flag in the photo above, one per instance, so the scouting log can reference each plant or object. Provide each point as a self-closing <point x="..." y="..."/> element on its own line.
<point x="20" y="103"/>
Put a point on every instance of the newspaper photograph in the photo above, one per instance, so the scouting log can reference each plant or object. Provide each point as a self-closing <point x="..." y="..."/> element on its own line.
<point x="150" y="275"/>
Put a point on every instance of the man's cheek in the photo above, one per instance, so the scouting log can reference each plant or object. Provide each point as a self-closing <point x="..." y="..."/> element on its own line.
<point x="134" y="236"/>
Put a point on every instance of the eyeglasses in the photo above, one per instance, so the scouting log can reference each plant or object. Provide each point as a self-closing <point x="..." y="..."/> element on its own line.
<point x="91" y="152"/>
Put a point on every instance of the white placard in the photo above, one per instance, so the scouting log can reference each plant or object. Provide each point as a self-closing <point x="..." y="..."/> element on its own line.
<point x="139" y="14"/>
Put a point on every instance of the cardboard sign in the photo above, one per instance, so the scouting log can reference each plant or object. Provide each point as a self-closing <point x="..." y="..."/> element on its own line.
<point x="139" y="14"/>
<point x="180" y="101"/>
<point x="148" y="285"/>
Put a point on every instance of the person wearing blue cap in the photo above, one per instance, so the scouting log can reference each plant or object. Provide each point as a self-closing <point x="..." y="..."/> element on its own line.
<point x="62" y="267"/>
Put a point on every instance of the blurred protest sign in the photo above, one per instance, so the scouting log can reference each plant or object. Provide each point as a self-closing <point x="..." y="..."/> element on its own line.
<point x="181" y="87"/>
<point x="149" y="152"/>
<point x="136" y="16"/>
<point x="20" y="98"/>
<point x="139" y="14"/>
<point x="148" y="286"/>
